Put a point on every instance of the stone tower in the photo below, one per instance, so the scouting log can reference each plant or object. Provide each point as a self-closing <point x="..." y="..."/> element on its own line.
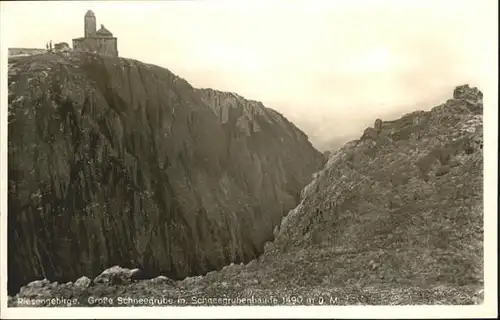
<point x="90" y="24"/>
<point x="101" y="41"/>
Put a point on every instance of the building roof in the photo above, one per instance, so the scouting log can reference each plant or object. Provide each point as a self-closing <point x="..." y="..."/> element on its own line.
<point x="103" y="32"/>
<point x="90" y="13"/>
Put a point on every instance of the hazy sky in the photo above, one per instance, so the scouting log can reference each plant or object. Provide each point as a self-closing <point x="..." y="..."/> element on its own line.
<point x="331" y="67"/>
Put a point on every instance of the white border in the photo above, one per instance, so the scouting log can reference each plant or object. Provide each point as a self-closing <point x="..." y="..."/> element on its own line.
<point x="488" y="309"/>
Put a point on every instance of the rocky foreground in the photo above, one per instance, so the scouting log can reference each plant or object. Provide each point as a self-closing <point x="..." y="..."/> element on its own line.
<point x="394" y="218"/>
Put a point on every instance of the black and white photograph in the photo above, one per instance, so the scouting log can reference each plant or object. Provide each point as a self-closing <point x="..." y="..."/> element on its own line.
<point x="237" y="159"/>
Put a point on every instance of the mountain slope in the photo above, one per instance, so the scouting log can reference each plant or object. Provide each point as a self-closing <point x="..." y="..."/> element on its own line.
<point x="401" y="204"/>
<point x="113" y="161"/>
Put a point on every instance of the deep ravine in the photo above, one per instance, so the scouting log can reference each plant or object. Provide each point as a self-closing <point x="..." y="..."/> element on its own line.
<point x="393" y="218"/>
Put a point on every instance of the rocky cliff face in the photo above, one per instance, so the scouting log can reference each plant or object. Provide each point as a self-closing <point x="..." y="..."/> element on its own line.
<point x="113" y="161"/>
<point x="393" y="218"/>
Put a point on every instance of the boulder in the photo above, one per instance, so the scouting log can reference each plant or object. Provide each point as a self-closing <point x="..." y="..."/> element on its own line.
<point x="82" y="282"/>
<point x="115" y="275"/>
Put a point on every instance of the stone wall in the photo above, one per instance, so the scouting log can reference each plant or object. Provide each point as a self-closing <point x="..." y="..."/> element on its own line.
<point x="105" y="46"/>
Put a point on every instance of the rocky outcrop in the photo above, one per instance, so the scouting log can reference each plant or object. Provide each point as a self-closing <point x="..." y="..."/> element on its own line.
<point x="246" y="117"/>
<point x="401" y="205"/>
<point x="117" y="162"/>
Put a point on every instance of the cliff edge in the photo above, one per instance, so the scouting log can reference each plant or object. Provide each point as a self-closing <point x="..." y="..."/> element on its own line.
<point x="117" y="162"/>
